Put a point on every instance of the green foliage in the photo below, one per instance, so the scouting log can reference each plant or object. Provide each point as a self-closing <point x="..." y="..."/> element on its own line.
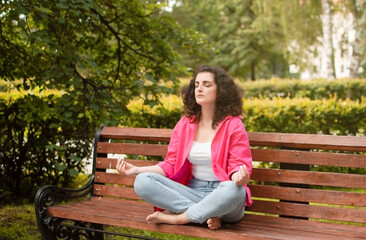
<point x="261" y="39"/>
<point x="302" y="115"/>
<point x="297" y="115"/>
<point x="95" y="56"/>
<point x="251" y="38"/>
<point x="353" y="89"/>
<point x="164" y="115"/>
<point x="38" y="144"/>
<point x="100" y="53"/>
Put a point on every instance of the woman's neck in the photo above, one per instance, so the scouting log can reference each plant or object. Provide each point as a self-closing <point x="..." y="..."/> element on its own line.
<point x="205" y="131"/>
<point x="207" y="115"/>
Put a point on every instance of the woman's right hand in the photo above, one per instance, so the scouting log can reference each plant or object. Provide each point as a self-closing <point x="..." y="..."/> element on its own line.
<point x="124" y="167"/>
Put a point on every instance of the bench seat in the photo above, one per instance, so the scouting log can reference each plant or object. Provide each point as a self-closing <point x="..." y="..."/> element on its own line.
<point x="132" y="214"/>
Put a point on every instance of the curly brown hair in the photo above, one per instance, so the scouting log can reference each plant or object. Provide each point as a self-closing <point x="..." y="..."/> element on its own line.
<point x="228" y="99"/>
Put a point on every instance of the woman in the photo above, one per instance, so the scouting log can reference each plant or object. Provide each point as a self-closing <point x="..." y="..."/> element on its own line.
<point x="208" y="164"/>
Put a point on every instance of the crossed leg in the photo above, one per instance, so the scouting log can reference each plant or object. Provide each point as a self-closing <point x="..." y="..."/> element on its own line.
<point x="182" y="202"/>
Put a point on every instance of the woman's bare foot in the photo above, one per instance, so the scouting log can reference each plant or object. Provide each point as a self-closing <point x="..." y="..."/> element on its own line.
<point x="165" y="217"/>
<point x="214" y="223"/>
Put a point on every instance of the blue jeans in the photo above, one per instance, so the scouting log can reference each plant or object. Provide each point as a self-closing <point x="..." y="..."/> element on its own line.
<point x="201" y="200"/>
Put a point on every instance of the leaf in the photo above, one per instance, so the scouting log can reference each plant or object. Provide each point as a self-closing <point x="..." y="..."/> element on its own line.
<point x="68" y="114"/>
<point x="94" y="107"/>
<point x="53" y="125"/>
<point x="75" y="158"/>
<point x="62" y="6"/>
<point x="50" y="147"/>
<point x="60" y="167"/>
<point x="73" y="172"/>
<point x="43" y="10"/>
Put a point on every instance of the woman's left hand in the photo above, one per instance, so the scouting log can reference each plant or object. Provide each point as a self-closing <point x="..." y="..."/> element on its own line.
<point x="241" y="177"/>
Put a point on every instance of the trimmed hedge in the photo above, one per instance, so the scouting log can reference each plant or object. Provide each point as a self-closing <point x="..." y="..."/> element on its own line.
<point x="353" y="89"/>
<point x="297" y="115"/>
<point x="303" y="115"/>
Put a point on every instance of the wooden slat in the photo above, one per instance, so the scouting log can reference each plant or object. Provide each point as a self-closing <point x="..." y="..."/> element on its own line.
<point x="286" y="140"/>
<point x="311" y="178"/>
<point x="309" y="228"/>
<point x="132" y="148"/>
<point x="114" y="191"/>
<point x="114" y="178"/>
<point x="310" y="211"/>
<point x="270" y="155"/>
<point x="308" y="141"/>
<point x="110" y="163"/>
<point x="311" y="158"/>
<point x="309" y="195"/>
<point x="143" y="134"/>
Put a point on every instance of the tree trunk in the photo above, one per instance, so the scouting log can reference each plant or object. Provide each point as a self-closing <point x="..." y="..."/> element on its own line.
<point x="355" y="60"/>
<point x="252" y="71"/>
<point x="327" y="40"/>
<point x="356" y="44"/>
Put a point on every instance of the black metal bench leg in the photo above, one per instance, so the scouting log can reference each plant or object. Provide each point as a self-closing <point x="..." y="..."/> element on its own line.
<point x="46" y="232"/>
<point x="99" y="235"/>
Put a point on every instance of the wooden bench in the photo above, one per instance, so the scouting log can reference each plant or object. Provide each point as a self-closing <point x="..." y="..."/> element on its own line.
<point x="295" y="195"/>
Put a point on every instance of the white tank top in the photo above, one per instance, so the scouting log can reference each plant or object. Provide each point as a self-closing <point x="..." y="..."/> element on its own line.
<point x="200" y="157"/>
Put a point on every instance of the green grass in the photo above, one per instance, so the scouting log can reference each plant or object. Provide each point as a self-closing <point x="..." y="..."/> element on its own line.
<point x="18" y="222"/>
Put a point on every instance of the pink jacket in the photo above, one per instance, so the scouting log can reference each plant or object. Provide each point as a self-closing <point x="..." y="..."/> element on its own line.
<point x="229" y="149"/>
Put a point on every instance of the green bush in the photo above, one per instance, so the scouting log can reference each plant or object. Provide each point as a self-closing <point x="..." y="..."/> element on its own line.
<point x="39" y="145"/>
<point x="164" y="115"/>
<point x="297" y="115"/>
<point x="303" y="115"/>
<point x="353" y="89"/>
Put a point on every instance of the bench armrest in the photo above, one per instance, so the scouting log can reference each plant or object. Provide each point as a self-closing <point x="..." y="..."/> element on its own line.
<point x="48" y="196"/>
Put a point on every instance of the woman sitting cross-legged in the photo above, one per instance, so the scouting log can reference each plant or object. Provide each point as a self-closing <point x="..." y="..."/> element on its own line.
<point x="205" y="173"/>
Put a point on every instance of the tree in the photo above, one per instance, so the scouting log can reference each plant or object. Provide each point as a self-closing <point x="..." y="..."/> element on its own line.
<point x="98" y="55"/>
<point x="358" y="10"/>
<point x="360" y="48"/>
<point x="99" y="48"/>
<point x="245" y="35"/>
<point x="302" y="27"/>
<point x="202" y="17"/>
<point x="327" y="40"/>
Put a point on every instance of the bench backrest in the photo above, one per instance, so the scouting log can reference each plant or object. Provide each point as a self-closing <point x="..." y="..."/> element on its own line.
<point x="307" y="176"/>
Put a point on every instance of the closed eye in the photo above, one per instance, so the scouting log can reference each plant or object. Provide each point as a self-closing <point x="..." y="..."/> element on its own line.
<point x="205" y="83"/>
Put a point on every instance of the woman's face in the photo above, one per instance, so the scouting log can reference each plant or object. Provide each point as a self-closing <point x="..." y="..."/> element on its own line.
<point x="205" y="88"/>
